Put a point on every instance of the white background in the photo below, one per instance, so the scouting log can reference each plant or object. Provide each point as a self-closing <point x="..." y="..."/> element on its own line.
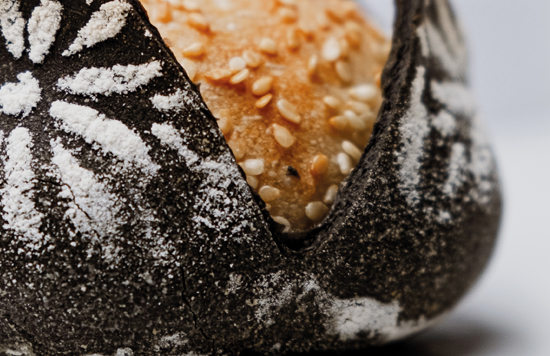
<point x="508" y="311"/>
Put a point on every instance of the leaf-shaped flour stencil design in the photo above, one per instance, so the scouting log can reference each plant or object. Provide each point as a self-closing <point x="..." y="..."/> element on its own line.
<point x="104" y="24"/>
<point x="13" y="26"/>
<point x="20" y="98"/>
<point x="42" y="27"/>
<point x="83" y="191"/>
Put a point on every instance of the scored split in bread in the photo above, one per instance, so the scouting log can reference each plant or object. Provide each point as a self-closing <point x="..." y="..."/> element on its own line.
<point x="293" y="85"/>
<point x="127" y="227"/>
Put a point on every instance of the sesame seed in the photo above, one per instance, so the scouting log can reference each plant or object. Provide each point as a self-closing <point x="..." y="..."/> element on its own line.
<point x="315" y="211"/>
<point x="198" y="21"/>
<point x="307" y="31"/>
<point x="252" y="181"/>
<point x="238" y="149"/>
<point x="335" y="12"/>
<point x="331" y="49"/>
<point x="354" y="121"/>
<point x="218" y="75"/>
<point x="350" y="9"/>
<point x="283" y="136"/>
<point x="339" y="123"/>
<point x="225" y="125"/>
<point x="168" y="42"/>
<point x="263" y="101"/>
<point x="282" y="221"/>
<point x="190" y="68"/>
<point x="319" y="165"/>
<point x="345" y="48"/>
<point x="196" y="49"/>
<point x="323" y="21"/>
<point x="330" y="195"/>
<point x="164" y="13"/>
<point x="332" y="102"/>
<point x="253" y="167"/>
<point x="352" y="150"/>
<point x="344" y="71"/>
<point x="358" y="107"/>
<point x="288" y="111"/>
<point x="190" y="5"/>
<point x="287" y="2"/>
<point x="252" y="59"/>
<point x="236" y="64"/>
<point x="378" y="79"/>
<point x="353" y="33"/>
<point x="364" y="92"/>
<point x="312" y="65"/>
<point x="292" y="39"/>
<point x="288" y="15"/>
<point x="344" y="162"/>
<point x="269" y="193"/>
<point x="240" y="77"/>
<point x="267" y="45"/>
<point x="262" y="86"/>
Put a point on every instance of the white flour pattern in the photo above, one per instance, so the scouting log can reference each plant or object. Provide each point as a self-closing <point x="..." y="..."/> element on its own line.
<point x="109" y="135"/>
<point x="104" y="24"/>
<point x="20" y="98"/>
<point x="19" y="210"/>
<point x="213" y="208"/>
<point x="106" y="81"/>
<point x="43" y="26"/>
<point x="91" y="206"/>
<point x="13" y="26"/>
<point x="457" y="101"/>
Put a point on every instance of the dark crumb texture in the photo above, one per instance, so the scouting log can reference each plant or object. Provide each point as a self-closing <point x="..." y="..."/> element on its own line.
<point x="127" y="228"/>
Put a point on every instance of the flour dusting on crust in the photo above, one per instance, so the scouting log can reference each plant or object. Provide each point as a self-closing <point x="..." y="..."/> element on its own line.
<point x="173" y="102"/>
<point x="104" y="24"/>
<point x="20" y="98"/>
<point x="110" y="135"/>
<point x="92" y="209"/>
<point x="213" y="207"/>
<point x="106" y="81"/>
<point x="43" y="26"/>
<point x="19" y="211"/>
<point x="414" y="129"/>
<point x="13" y="26"/>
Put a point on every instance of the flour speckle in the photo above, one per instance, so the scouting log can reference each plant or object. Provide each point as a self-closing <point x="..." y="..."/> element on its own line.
<point x="13" y="27"/>
<point x="20" y="98"/>
<point x="172" y="341"/>
<point x="482" y="163"/>
<point x="271" y="297"/>
<point x="92" y="209"/>
<point x="109" y="135"/>
<point x="172" y="102"/>
<point x="124" y="352"/>
<point x="42" y="27"/>
<point x="213" y="207"/>
<point x="456" y="170"/>
<point x="414" y="130"/>
<point x="445" y="123"/>
<point x="106" y="81"/>
<point x="104" y="24"/>
<point x="455" y="97"/>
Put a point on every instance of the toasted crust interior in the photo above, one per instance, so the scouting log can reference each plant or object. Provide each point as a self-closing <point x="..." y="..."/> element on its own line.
<point x="294" y="85"/>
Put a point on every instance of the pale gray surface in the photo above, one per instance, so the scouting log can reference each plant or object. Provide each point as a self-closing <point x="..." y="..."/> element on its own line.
<point x="508" y="312"/>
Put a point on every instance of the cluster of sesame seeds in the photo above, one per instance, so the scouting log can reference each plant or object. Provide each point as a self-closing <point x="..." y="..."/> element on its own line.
<point x="294" y="85"/>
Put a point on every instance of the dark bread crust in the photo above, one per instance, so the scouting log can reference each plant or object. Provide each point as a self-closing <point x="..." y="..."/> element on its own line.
<point x="382" y="241"/>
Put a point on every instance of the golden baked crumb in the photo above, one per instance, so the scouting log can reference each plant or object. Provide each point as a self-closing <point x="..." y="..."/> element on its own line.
<point x="294" y="86"/>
